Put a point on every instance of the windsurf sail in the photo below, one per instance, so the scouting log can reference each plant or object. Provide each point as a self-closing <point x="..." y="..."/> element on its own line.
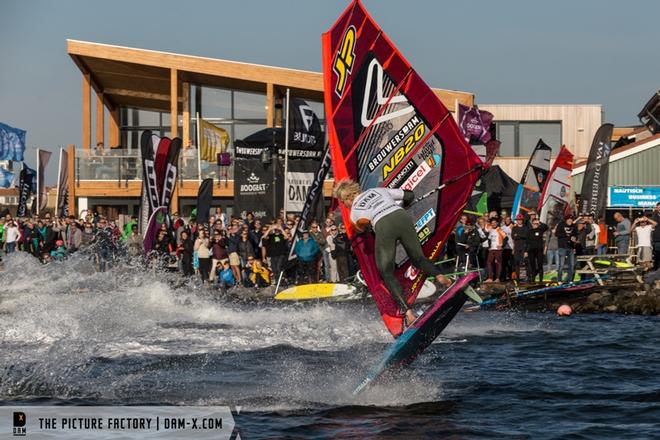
<point x="387" y="128"/>
<point x="556" y="196"/>
<point x="593" y="197"/>
<point x="529" y="190"/>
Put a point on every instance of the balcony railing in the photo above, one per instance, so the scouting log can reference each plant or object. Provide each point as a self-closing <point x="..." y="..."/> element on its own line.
<point x="125" y="165"/>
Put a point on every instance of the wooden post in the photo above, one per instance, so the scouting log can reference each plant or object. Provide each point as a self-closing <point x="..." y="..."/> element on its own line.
<point x="71" y="182"/>
<point x="174" y="123"/>
<point x="86" y="112"/>
<point x="174" y="104"/>
<point x="100" y="122"/>
<point x="270" y="105"/>
<point x="113" y="127"/>
<point x="185" y="92"/>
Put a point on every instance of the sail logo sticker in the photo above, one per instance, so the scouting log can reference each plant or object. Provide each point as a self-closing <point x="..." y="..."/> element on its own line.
<point x="411" y="272"/>
<point x="344" y="60"/>
<point x="427" y="217"/>
<point x="307" y="115"/>
<point x="381" y="99"/>
<point x="408" y="144"/>
<point x="422" y="170"/>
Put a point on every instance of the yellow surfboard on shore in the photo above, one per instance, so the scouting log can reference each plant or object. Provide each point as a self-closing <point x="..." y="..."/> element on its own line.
<point x="317" y="291"/>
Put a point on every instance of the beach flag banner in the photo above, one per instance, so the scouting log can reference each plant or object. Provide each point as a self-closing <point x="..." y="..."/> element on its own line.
<point x="474" y="124"/>
<point x="213" y="140"/>
<point x="204" y="201"/>
<point x="6" y="178"/>
<point x="593" y="197"/>
<point x="26" y="186"/>
<point x="62" y="185"/>
<point x="43" y="157"/>
<point x="12" y="143"/>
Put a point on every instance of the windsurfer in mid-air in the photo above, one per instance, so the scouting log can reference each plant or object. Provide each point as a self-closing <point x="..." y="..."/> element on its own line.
<point x="382" y="210"/>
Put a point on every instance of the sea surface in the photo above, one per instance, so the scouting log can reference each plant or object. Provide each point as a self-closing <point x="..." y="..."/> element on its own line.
<point x="70" y="336"/>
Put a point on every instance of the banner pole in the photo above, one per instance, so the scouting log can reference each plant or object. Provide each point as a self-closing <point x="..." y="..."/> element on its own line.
<point x="279" y="280"/>
<point x="199" y="150"/>
<point x="57" y="192"/>
<point x="38" y="186"/>
<point x="286" y="150"/>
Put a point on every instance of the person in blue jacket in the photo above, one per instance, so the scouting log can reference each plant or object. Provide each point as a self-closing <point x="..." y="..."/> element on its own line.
<point x="307" y="251"/>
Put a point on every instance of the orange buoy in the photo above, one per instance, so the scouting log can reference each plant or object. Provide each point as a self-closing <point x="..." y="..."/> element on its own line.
<point x="564" y="310"/>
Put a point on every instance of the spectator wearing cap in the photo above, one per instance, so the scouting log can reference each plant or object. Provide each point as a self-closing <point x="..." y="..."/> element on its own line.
<point x="621" y="234"/>
<point x="307" y="251"/>
<point x="519" y="235"/>
<point x="59" y="252"/>
<point x="566" y="232"/>
<point x="643" y="227"/>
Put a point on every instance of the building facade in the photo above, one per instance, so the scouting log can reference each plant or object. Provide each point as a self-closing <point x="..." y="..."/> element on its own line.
<point x="137" y="90"/>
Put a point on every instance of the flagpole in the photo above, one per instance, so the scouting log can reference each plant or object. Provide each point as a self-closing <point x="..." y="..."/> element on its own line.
<point x="286" y="150"/>
<point x="57" y="192"/>
<point x="199" y="150"/>
<point x="38" y="186"/>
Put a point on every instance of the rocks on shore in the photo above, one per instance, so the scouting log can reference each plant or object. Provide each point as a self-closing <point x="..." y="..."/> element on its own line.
<point x="637" y="300"/>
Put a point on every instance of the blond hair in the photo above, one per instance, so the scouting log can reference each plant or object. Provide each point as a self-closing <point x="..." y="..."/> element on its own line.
<point x="346" y="188"/>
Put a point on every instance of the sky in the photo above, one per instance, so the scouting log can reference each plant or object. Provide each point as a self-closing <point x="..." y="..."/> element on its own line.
<point x="522" y="52"/>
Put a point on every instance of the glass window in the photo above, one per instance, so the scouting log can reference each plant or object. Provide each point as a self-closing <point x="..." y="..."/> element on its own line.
<point x="242" y="131"/>
<point x="249" y="105"/>
<point x="216" y="104"/>
<point x="519" y="138"/>
<point x="531" y="132"/>
<point x="506" y="134"/>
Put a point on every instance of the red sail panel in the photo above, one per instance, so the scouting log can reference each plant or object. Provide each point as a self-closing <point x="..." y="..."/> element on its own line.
<point x="556" y="196"/>
<point x="388" y="128"/>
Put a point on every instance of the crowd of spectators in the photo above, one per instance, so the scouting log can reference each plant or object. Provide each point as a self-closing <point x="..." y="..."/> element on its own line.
<point x="504" y="247"/>
<point x="230" y="251"/>
<point x="225" y="252"/>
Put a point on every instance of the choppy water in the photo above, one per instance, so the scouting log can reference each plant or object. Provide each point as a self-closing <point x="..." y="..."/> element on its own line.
<point x="72" y="336"/>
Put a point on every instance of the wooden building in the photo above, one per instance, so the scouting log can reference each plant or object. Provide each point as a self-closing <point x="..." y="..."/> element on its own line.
<point x="136" y="89"/>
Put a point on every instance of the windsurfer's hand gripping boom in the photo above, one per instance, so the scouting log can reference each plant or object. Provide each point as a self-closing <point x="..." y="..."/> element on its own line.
<point x="382" y="208"/>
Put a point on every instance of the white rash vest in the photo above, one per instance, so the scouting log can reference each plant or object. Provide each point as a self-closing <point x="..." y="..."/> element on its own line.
<point x="374" y="204"/>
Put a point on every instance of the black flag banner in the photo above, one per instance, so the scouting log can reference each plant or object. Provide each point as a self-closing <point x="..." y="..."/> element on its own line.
<point x="593" y="197"/>
<point x="305" y="131"/>
<point x="25" y="181"/>
<point x="204" y="200"/>
<point x="253" y="187"/>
